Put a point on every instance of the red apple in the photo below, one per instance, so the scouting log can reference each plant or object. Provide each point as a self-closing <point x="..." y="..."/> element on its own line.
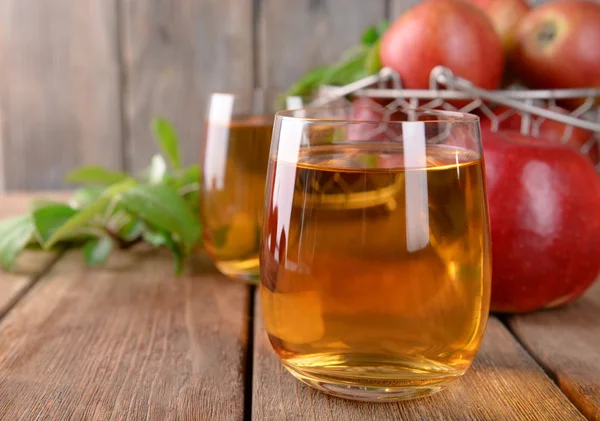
<point x="452" y="33"/>
<point x="505" y="16"/>
<point x="557" y="45"/>
<point x="369" y="121"/>
<point x="551" y="131"/>
<point x="374" y="121"/>
<point x="545" y="220"/>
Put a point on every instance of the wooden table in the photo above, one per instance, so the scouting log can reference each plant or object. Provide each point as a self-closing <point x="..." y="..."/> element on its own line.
<point x="129" y="341"/>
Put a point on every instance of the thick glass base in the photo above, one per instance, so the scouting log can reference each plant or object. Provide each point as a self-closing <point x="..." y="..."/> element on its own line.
<point x="394" y="387"/>
<point x="247" y="271"/>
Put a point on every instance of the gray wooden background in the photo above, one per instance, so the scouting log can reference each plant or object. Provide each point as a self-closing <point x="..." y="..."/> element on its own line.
<point x="80" y="80"/>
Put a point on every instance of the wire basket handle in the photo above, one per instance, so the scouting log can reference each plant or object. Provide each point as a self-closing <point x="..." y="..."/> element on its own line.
<point x="458" y="87"/>
<point x="441" y="75"/>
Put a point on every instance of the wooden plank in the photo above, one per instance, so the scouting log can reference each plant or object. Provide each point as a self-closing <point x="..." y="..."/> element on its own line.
<point x="397" y="7"/>
<point x="59" y="91"/>
<point x="296" y="36"/>
<point x="31" y="264"/>
<point x="176" y="53"/>
<point x="566" y="341"/>
<point x="125" y="342"/>
<point x="503" y="384"/>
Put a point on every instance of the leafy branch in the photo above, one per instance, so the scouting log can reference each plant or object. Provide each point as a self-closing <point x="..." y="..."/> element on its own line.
<point x="115" y="209"/>
<point x="358" y="62"/>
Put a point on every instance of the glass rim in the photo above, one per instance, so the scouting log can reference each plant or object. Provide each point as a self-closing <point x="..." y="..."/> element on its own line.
<point x="444" y="116"/>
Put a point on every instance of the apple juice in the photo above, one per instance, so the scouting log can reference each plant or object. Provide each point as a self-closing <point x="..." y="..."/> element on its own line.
<point x="232" y="193"/>
<point x="371" y="270"/>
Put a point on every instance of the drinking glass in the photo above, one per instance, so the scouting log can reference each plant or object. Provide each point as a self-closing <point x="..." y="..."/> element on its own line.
<point x="234" y="161"/>
<point x="375" y="255"/>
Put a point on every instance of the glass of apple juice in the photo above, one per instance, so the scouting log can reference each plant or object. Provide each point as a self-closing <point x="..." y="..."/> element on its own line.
<point x="375" y="255"/>
<point x="234" y="160"/>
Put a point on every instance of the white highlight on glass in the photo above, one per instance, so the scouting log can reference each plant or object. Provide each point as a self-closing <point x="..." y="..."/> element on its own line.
<point x="217" y="136"/>
<point x="417" y="197"/>
<point x="291" y="135"/>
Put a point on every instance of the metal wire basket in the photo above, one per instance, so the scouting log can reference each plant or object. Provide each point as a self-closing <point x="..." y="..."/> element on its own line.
<point x="449" y="92"/>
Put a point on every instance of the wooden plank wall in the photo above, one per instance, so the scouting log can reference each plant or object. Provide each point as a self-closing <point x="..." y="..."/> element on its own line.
<point x="59" y="90"/>
<point x="81" y="80"/>
<point x="174" y="54"/>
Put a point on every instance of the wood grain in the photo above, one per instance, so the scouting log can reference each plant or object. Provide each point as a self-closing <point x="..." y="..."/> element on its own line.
<point x="566" y="341"/>
<point x="296" y="36"/>
<point x="125" y="342"/>
<point x="59" y="91"/>
<point x="176" y="53"/>
<point x="504" y="384"/>
<point x="31" y="264"/>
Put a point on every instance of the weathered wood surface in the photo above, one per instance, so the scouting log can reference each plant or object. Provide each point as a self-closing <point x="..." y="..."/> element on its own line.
<point x="295" y="36"/>
<point x="566" y="341"/>
<point x="59" y="90"/>
<point x="131" y="341"/>
<point x="175" y="54"/>
<point x="125" y="342"/>
<point x="504" y="384"/>
<point x="31" y="264"/>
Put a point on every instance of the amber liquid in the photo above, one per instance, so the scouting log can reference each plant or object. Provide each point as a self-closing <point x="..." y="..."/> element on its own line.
<point x="375" y="277"/>
<point x="232" y="194"/>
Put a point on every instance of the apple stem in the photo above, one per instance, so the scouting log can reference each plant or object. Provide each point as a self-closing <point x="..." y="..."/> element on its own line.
<point x="547" y="33"/>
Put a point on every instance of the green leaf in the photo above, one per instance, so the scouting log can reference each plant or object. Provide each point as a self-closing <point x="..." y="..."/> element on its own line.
<point x="96" y="251"/>
<point x="374" y="33"/>
<point x="84" y="196"/>
<point x="193" y="201"/>
<point x="349" y="70"/>
<point x="132" y="230"/>
<point x="356" y="63"/>
<point x="163" y="238"/>
<point x="370" y="36"/>
<point x="166" y="137"/>
<point x="49" y="218"/>
<point x="308" y="83"/>
<point x="187" y="176"/>
<point x="157" y="239"/>
<point x="161" y="207"/>
<point x="15" y="233"/>
<point x="79" y="220"/>
<point x="95" y="175"/>
<point x="177" y="253"/>
<point x="187" y="184"/>
<point x="373" y="60"/>
<point x="91" y="211"/>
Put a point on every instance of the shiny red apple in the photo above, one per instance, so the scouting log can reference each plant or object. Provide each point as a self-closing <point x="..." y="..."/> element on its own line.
<point x="452" y="33"/>
<point x="558" y="45"/>
<point x="551" y="131"/>
<point x="545" y="221"/>
<point x="505" y="16"/>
